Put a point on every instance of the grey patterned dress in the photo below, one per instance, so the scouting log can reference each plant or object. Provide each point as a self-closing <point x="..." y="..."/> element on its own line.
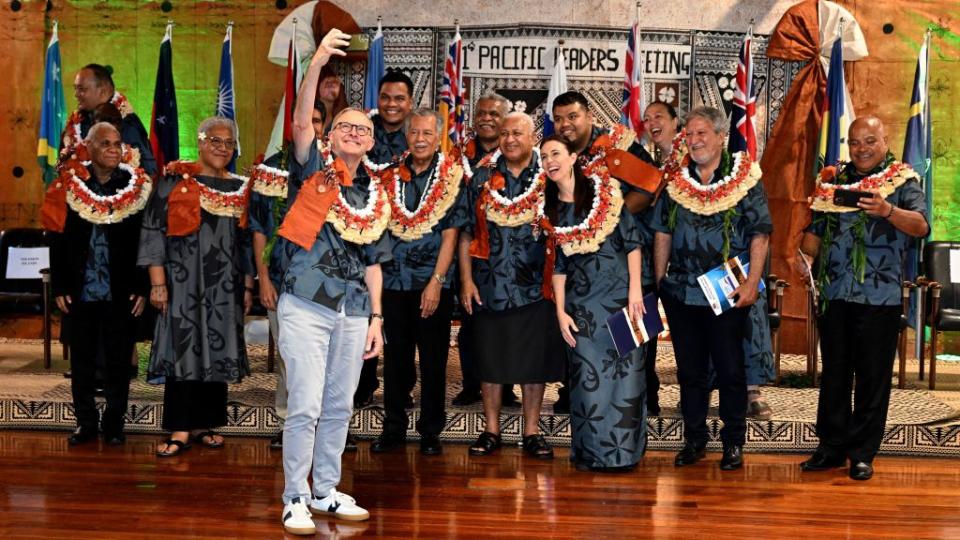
<point x="607" y="393"/>
<point x="200" y="338"/>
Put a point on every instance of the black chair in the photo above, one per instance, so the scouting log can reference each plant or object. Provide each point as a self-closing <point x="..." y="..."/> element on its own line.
<point x="26" y="296"/>
<point x="943" y="305"/>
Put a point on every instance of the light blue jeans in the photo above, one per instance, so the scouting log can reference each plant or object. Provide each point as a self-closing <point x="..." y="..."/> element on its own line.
<point x="323" y="353"/>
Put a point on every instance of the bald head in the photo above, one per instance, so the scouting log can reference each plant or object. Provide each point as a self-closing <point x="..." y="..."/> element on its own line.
<point x="867" y="140"/>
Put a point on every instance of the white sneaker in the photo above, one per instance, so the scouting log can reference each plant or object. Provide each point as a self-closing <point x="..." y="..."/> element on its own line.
<point x="297" y="518"/>
<point x="339" y="505"/>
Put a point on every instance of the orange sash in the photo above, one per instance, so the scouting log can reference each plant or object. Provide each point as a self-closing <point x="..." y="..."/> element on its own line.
<point x="183" y="208"/>
<point x="309" y="211"/>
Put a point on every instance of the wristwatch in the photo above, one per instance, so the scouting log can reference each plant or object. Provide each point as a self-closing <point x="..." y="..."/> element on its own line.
<point x="441" y="279"/>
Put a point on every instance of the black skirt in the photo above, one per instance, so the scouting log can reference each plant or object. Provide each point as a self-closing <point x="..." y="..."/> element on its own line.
<point x="519" y="346"/>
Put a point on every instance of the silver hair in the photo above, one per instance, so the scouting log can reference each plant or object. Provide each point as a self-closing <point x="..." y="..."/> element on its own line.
<point x="721" y="125"/>
<point x="423" y="112"/>
<point x="215" y="122"/>
<point x="522" y="116"/>
<point x="97" y="128"/>
<point x="502" y="102"/>
<point x="346" y="110"/>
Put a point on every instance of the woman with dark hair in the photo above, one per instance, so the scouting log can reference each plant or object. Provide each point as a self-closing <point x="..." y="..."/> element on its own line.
<point x="597" y="273"/>
<point x="661" y="122"/>
<point x="332" y="94"/>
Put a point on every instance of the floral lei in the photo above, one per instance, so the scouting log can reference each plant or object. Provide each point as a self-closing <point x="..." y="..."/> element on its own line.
<point x="104" y="209"/>
<point x="678" y="153"/>
<point x="716" y="197"/>
<point x="379" y="167"/>
<point x="438" y="196"/>
<point x="219" y="203"/>
<point x="71" y="134"/>
<point x="619" y="136"/>
<point x="269" y="181"/>
<point x="885" y="182"/>
<point x="516" y="211"/>
<point x="604" y="215"/>
<point x="359" y="225"/>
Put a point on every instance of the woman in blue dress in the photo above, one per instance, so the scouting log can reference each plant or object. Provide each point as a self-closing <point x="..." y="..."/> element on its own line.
<point x="597" y="273"/>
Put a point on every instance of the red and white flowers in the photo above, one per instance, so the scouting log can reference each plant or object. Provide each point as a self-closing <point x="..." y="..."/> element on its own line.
<point x="724" y="194"/>
<point x="439" y="195"/>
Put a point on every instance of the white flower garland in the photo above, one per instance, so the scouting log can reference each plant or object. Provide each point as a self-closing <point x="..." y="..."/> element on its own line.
<point x="434" y="178"/>
<point x="592" y="239"/>
<point x="527" y="192"/>
<point x="375" y="192"/>
<point x="117" y="215"/>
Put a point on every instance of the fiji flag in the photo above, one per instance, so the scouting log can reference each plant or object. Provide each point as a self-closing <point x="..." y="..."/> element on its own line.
<point x="743" y="131"/>
<point x="376" y="68"/>
<point x="836" y="117"/>
<point x="52" y="111"/>
<point x="225" y="101"/>
<point x="164" y="137"/>
<point x="558" y="85"/>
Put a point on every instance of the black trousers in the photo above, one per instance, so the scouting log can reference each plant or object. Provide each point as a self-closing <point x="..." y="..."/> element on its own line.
<point x="192" y="405"/>
<point x="406" y="333"/>
<point x="95" y="328"/>
<point x="650" y="367"/>
<point x="699" y="336"/>
<point x="468" y="366"/>
<point x="858" y="343"/>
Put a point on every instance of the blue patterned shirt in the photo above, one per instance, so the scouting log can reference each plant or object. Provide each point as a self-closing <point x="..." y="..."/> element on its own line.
<point x="697" y="240"/>
<point x="96" y="273"/>
<point x="332" y="272"/>
<point x="414" y="262"/>
<point x="886" y="249"/>
<point x="387" y="145"/>
<point x="513" y="275"/>
<point x="263" y="221"/>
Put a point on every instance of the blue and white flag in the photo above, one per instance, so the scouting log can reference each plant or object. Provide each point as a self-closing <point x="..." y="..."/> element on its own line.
<point x="376" y="67"/>
<point x="558" y="85"/>
<point x="226" y="105"/>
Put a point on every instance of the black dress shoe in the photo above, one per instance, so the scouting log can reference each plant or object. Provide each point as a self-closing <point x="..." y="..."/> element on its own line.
<point x="689" y="454"/>
<point x="114" y="439"/>
<point x="466" y="397"/>
<point x="732" y="458"/>
<point x="538" y="447"/>
<point x="430" y="445"/>
<point x="487" y="443"/>
<point x="276" y="442"/>
<point x="821" y="460"/>
<point x="350" y="445"/>
<point x="861" y="470"/>
<point x="81" y="436"/>
<point x="387" y="443"/>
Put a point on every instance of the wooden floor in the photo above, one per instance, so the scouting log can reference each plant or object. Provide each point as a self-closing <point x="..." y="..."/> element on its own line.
<point x="48" y="490"/>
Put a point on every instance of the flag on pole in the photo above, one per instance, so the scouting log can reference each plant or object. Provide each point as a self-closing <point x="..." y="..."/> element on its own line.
<point x="558" y="85"/>
<point x="164" y="134"/>
<point x="52" y="111"/>
<point x="743" y="131"/>
<point x="633" y="99"/>
<point x="836" y="116"/>
<point x="917" y="151"/>
<point x="225" y="97"/>
<point x="283" y="125"/>
<point x="917" y="147"/>
<point x="376" y="67"/>
<point x="451" y="94"/>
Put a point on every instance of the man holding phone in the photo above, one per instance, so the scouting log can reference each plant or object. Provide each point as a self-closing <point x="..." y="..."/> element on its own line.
<point x="860" y="250"/>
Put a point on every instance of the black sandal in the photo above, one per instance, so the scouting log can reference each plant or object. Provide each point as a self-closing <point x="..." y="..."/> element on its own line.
<point x="198" y="438"/>
<point x="180" y="446"/>
<point x="536" y="446"/>
<point x="487" y="443"/>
